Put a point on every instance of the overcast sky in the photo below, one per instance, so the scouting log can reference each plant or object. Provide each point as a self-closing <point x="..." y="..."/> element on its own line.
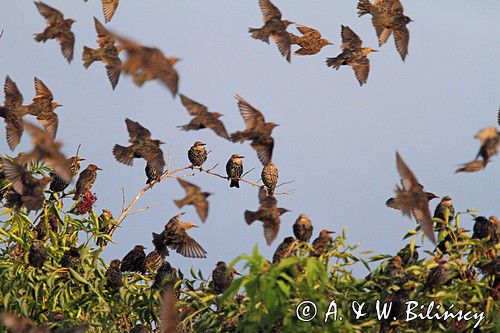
<point x="337" y="140"/>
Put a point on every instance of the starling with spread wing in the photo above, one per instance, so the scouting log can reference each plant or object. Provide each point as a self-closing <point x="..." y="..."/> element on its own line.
<point x="13" y="112"/>
<point x="202" y="118"/>
<point x="43" y="107"/>
<point x="310" y="42"/>
<point x="195" y="197"/>
<point x="391" y="202"/>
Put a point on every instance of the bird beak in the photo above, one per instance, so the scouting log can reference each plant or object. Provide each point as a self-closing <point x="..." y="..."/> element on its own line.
<point x="239" y="156"/>
<point x="97" y="168"/>
<point x="203" y="144"/>
<point x="58" y="105"/>
<point x="374" y="50"/>
<point x="331" y="232"/>
<point x="466" y="230"/>
<point x="80" y="159"/>
<point x="162" y="143"/>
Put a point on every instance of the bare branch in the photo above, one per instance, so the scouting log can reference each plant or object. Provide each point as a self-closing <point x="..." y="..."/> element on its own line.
<point x="143" y="209"/>
<point x="246" y="173"/>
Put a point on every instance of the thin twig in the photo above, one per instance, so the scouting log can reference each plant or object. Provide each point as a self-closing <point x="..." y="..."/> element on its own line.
<point x="123" y="199"/>
<point x="289" y="182"/>
<point x="246" y="173"/>
<point x="143" y="209"/>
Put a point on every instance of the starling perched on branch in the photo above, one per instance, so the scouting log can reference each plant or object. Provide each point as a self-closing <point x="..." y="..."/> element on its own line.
<point x="105" y="226"/>
<point x="153" y="261"/>
<point x="38" y="254"/>
<point x="284" y="250"/>
<point x="303" y="228"/>
<point x="114" y="276"/>
<point x="322" y="242"/>
<point x="353" y="54"/>
<point x="438" y="276"/>
<point x="48" y="220"/>
<point x="484" y="227"/>
<point x="71" y="258"/>
<point x="195" y="197"/>
<point x="13" y="111"/>
<point x="197" y="154"/>
<point x="57" y="28"/>
<point x="234" y="169"/>
<point x="135" y="260"/>
<point x="310" y="42"/>
<point x="451" y="238"/>
<point x="58" y="184"/>
<point x="273" y="27"/>
<point x="85" y="181"/>
<point x="258" y="131"/>
<point x="166" y="277"/>
<point x="269" y="177"/>
<point x="43" y="108"/>
<point x="222" y="277"/>
<point x="440" y="211"/>
<point x="408" y="256"/>
<point x="388" y="18"/>
<point x="202" y="118"/>
<point x="175" y="237"/>
<point x="268" y="213"/>
<point x="142" y="147"/>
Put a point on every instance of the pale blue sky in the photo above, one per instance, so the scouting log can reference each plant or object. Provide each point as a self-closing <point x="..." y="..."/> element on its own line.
<point x="336" y="140"/>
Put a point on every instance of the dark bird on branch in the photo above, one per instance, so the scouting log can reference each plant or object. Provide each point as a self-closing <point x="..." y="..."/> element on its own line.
<point x="222" y="277"/>
<point x="38" y="254"/>
<point x="303" y="228"/>
<point x="166" y="277"/>
<point x="322" y="242"/>
<point x="153" y="261"/>
<point x="13" y="112"/>
<point x="197" y="154"/>
<point x="408" y="256"/>
<point x="451" y="238"/>
<point x="135" y="260"/>
<point x="114" y="276"/>
<point x="284" y="250"/>
<point x="234" y="169"/>
<point x="438" y="276"/>
<point x="58" y="184"/>
<point x="310" y="42"/>
<point x="71" y="258"/>
<point x="195" y="197"/>
<point x="269" y="176"/>
<point x="440" y="211"/>
<point x="86" y="180"/>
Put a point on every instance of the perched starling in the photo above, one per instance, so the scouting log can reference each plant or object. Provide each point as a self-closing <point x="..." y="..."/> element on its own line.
<point x="322" y="242"/>
<point x="106" y="53"/>
<point x="412" y="200"/>
<point x="438" y="276"/>
<point x="472" y="166"/>
<point x="58" y="184"/>
<point x="451" y="238"/>
<point x="303" y="228"/>
<point x="13" y="111"/>
<point x="394" y="268"/>
<point x="408" y="256"/>
<point x="142" y="146"/>
<point x="38" y="254"/>
<point x="57" y="28"/>
<point x="492" y="268"/>
<point x="114" y="276"/>
<point x="391" y="202"/>
<point x="222" y="277"/>
<point x="398" y="301"/>
<point x="388" y="18"/>
<point x="284" y="250"/>
<point x="85" y="181"/>
<point x="197" y="154"/>
<point x="135" y="260"/>
<point x="166" y="277"/>
<point x="273" y="27"/>
<point x="234" y="169"/>
<point x="105" y="225"/>
<point x="71" y="258"/>
<point x="310" y="42"/>
<point x="269" y="177"/>
<point x="353" y="54"/>
<point x="482" y="228"/>
<point x="195" y="197"/>
<point x="268" y="213"/>
<point x="175" y="237"/>
<point x="440" y="211"/>
<point x="48" y="221"/>
<point x="153" y="261"/>
<point x="202" y="118"/>
<point x="258" y="131"/>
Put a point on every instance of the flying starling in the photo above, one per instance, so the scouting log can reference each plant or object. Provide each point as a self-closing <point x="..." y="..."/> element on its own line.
<point x="258" y="131"/>
<point x="195" y="197"/>
<point x="106" y="53"/>
<point x="175" y="237"/>
<point x="85" y="181"/>
<point x="353" y="54"/>
<point x="57" y="28"/>
<point x="222" y="277"/>
<point x="71" y="258"/>
<point x="440" y="211"/>
<point x="58" y="184"/>
<point x="38" y="254"/>
<point x="322" y="242"/>
<point x="388" y="18"/>
<point x="135" y="260"/>
<point x="408" y="257"/>
<point x="472" y="166"/>
<point x="142" y="146"/>
<point x="490" y="143"/>
<point x="273" y="27"/>
<point x="234" y="169"/>
<point x="391" y="202"/>
<point x="438" y="276"/>
<point x="303" y="228"/>
<point x="153" y="261"/>
<point x="412" y="200"/>
<point x="197" y="154"/>
<point x="166" y="277"/>
<point x="114" y="276"/>
<point x="310" y="42"/>
<point x="269" y="177"/>
<point x="202" y="118"/>
<point x="284" y="250"/>
<point x="13" y="111"/>
<point x="268" y="213"/>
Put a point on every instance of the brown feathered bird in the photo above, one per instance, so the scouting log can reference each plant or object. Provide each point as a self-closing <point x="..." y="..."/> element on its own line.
<point x="202" y="118"/>
<point x="43" y="107"/>
<point x="440" y="211"/>
<point x="388" y="18"/>
<point x="15" y="324"/>
<point x="310" y="42"/>
<point x="197" y="154"/>
<point x="166" y="277"/>
<point x="37" y="254"/>
<point x="258" y="131"/>
<point x="107" y="53"/>
<point x="438" y="276"/>
<point x="303" y="228"/>
<point x="142" y="146"/>
<point x="412" y="200"/>
<point x="490" y="143"/>
<point x="391" y="202"/>
<point x="273" y="27"/>
<point x="268" y="213"/>
<point x="322" y="242"/>
<point x="135" y="260"/>
<point x="154" y="260"/>
<point x="175" y="237"/>
<point x="472" y="166"/>
<point x="71" y="258"/>
<point x="222" y="277"/>
<point x="58" y="184"/>
<point x="86" y="180"/>
<point x="269" y="176"/>
<point x="284" y="250"/>
<point x="57" y="28"/>
<point x="194" y="197"/>
<point x="109" y="8"/>
<point x="353" y="54"/>
<point x="13" y="112"/>
<point x="114" y="277"/>
<point x="234" y="169"/>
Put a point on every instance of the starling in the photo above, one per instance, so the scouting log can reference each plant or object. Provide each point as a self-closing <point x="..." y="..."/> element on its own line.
<point x="451" y="238"/>
<point x="114" y="276"/>
<point x="57" y="28"/>
<point x="166" y="277"/>
<point x="175" y="237"/>
<point x="71" y="258"/>
<point x="153" y="261"/>
<point x="472" y="166"/>
<point x="268" y="213"/>
<point x="394" y="268"/>
<point x="269" y="177"/>
<point x="310" y="42"/>
<point x="12" y="112"/>
<point x="284" y="250"/>
<point x="391" y="202"/>
<point x="273" y="27"/>
<point x="38" y="254"/>
<point x="58" y="184"/>
<point x="195" y="197"/>
<point x="106" y="53"/>
<point x="222" y="277"/>
<point x="438" y="276"/>
<point x="388" y="18"/>
<point x="197" y="154"/>
<point x="322" y="242"/>
<point x="398" y="302"/>
<point x="258" y="131"/>
<point x="85" y="181"/>
<point x="135" y="260"/>
<point x="234" y="169"/>
<point x="412" y="200"/>
<point x="408" y="257"/>
<point x="353" y="54"/>
<point x="48" y="221"/>
<point x="202" y="118"/>
<point x="105" y="225"/>
<point x="482" y="228"/>
<point x="440" y="211"/>
<point x="142" y="146"/>
<point x="303" y="228"/>
<point x="490" y="143"/>
<point x="492" y="268"/>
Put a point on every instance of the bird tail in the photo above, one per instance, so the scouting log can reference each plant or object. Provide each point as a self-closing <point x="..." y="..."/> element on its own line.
<point x="235" y="183"/>
<point x="334" y="62"/>
<point x="391" y="203"/>
<point x="250" y="217"/>
<point x="87" y="57"/>
<point x="40" y="37"/>
<point x="179" y="203"/>
<point x="239" y="136"/>
<point x="3" y="112"/>
<point x="294" y="39"/>
<point x="364" y="7"/>
<point x="259" y="34"/>
<point x="124" y="155"/>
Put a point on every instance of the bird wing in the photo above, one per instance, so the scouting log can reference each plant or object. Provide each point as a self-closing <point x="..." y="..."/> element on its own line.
<point x="394" y="6"/>
<point x="265" y="201"/>
<point x="154" y="156"/>
<point x="402" y="39"/>
<point x="350" y="39"/>
<point x="306" y="30"/>
<point x="109" y="8"/>
<point x="284" y="42"/>
<point x="193" y="108"/>
<point x="408" y="179"/>
<point x="269" y="11"/>
<point x="136" y="131"/>
<point x="251" y="115"/>
<point x="361" y="69"/>
<point x="264" y="149"/>
<point x="201" y="206"/>
<point x="13" y="97"/>
<point x="170" y="78"/>
<point x="189" y="248"/>
<point x="113" y="71"/>
<point x="190" y="188"/>
<point x="271" y="230"/>
<point x="422" y="215"/>
<point x="49" y="121"/>
<point x="16" y="174"/>
<point x="217" y="126"/>
<point x="67" y="42"/>
<point x="52" y="15"/>
<point x="42" y="91"/>
<point x="14" y="130"/>
<point x="100" y="29"/>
